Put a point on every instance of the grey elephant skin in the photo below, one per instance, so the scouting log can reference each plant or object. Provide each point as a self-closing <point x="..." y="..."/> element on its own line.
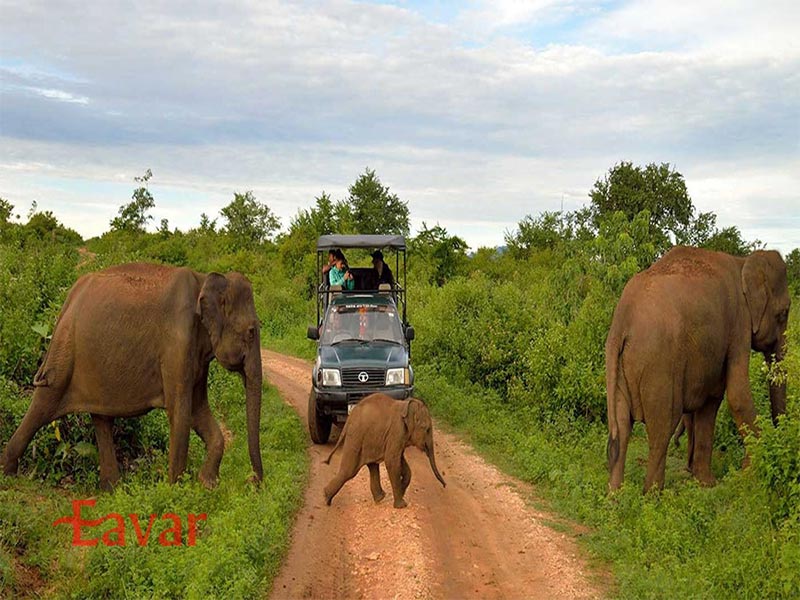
<point x="140" y="336"/>
<point x="379" y="429"/>
<point x="680" y="340"/>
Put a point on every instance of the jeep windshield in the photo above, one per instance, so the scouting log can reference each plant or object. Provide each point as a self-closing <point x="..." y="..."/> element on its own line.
<point x="348" y="323"/>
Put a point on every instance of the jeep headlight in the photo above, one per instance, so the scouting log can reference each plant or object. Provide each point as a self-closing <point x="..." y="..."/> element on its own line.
<point x="396" y="377"/>
<point x="331" y="377"/>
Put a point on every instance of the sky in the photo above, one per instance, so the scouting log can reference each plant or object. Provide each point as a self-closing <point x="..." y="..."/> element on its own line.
<point x="476" y="113"/>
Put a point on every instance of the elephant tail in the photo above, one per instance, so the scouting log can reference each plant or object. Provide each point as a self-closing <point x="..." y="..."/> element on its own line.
<point x="339" y="442"/>
<point x="614" y="346"/>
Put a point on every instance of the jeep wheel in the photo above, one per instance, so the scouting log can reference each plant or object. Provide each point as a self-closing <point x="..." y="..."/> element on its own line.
<point x="319" y="426"/>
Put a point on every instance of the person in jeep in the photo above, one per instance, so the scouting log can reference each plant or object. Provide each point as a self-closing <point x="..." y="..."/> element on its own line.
<point x="382" y="270"/>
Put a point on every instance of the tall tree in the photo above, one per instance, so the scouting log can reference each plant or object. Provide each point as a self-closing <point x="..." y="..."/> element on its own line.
<point x="445" y="253"/>
<point x="133" y="217"/>
<point x="659" y="189"/>
<point x="6" y="208"/>
<point x="793" y="270"/>
<point x="248" y="221"/>
<point x="374" y="209"/>
<point x="544" y="231"/>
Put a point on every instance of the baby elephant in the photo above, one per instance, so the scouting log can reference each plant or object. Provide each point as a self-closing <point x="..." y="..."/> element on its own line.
<point x="380" y="429"/>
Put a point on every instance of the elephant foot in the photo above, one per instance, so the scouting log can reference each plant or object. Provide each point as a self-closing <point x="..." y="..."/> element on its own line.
<point x="209" y="481"/>
<point x="108" y="485"/>
<point x="400" y="503"/>
<point x="9" y="468"/>
<point x="378" y="497"/>
<point x="706" y="480"/>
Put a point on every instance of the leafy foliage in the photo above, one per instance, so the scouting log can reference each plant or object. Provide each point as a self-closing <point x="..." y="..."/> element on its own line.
<point x="248" y="222"/>
<point x="509" y="351"/>
<point x="658" y="189"/>
<point x="793" y="270"/>
<point x="133" y="217"/>
<point x="373" y="209"/>
<point x="441" y="255"/>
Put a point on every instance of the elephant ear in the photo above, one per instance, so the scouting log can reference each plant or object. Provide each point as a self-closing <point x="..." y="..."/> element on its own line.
<point x="408" y="412"/>
<point x="413" y="413"/>
<point x="211" y="305"/>
<point x="754" y="284"/>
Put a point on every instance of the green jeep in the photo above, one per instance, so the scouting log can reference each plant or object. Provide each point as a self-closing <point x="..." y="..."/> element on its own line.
<point x="363" y="336"/>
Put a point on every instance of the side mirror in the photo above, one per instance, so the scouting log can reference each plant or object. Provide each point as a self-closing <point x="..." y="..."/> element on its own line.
<point x="409" y="333"/>
<point x="313" y="332"/>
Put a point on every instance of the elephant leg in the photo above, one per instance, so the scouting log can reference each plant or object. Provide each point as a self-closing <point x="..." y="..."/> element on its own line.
<point x="740" y="398"/>
<point x="405" y="474"/>
<point x="375" y="482"/>
<point x="179" y="413"/>
<point x="208" y="429"/>
<point x="624" y="426"/>
<point x="44" y="408"/>
<point x="395" y="470"/>
<point x="688" y="425"/>
<point x="704" y="421"/>
<point x="109" y="469"/>
<point x="347" y="470"/>
<point x="658" y="442"/>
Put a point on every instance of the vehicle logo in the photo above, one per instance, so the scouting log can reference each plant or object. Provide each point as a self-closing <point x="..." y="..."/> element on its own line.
<point x="363" y="377"/>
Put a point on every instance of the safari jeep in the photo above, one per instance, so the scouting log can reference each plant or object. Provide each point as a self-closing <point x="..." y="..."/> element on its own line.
<point x="363" y="336"/>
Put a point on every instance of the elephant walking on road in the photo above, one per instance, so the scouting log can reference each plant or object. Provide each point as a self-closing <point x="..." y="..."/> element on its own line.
<point x="141" y="336"/>
<point x="380" y="428"/>
<point x="680" y="340"/>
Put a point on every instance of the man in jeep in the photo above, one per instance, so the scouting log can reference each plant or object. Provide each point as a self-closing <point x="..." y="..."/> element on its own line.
<point x="382" y="270"/>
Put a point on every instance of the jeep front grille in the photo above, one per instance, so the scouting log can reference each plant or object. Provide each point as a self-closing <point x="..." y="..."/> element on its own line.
<point x="365" y="377"/>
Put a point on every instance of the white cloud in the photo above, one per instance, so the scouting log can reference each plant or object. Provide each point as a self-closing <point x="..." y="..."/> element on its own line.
<point x="290" y="99"/>
<point x="60" y="95"/>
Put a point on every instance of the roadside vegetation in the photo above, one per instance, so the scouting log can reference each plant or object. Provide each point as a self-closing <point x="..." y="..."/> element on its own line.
<point x="509" y="352"/>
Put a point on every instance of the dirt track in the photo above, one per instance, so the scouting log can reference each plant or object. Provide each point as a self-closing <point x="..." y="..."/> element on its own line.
<point x="477" y="538"/>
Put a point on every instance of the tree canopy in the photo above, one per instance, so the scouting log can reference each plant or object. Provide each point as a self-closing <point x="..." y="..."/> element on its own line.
<point x="133" y="217"/>
<point x="248" y="222"/>
<point x="659" y="189"/>
<point x="373" y="209"/>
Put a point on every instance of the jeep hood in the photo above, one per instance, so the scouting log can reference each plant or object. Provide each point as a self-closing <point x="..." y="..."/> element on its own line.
<point x="374" y="354"/>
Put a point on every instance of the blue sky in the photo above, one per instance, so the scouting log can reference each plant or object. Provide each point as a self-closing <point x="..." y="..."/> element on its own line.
<point x="475" y="113"/>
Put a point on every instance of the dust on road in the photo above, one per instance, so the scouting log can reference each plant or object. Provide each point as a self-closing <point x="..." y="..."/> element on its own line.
<point x="476" y="538"/>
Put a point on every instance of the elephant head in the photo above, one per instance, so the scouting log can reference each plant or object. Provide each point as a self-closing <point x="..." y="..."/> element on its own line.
<point x="767" y="294"/>
<point x="228" y="312"/>
<point x="419" y="426"/>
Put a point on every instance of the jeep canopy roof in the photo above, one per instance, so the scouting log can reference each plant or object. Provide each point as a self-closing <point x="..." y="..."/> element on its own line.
<point x="328" y="242"/>
<point x="362" y="300"/>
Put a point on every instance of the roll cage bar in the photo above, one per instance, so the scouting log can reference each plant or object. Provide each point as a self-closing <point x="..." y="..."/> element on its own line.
<point x="396" y="243"/>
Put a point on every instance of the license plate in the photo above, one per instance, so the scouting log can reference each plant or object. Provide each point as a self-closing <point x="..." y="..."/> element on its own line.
<point x="350" y="408"/>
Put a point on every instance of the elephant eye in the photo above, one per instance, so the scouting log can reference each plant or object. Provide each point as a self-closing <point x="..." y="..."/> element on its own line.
<point x="251" y="332"/>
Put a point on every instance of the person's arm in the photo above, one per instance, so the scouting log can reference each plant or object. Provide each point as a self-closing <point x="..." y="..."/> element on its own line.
<point x="336" y="277"/>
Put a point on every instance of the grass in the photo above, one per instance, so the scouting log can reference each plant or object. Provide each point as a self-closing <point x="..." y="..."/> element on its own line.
<point x="687" y="541"/>
<point x="239" y="548"/>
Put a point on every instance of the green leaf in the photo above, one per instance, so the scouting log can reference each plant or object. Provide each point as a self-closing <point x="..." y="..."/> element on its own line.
<point x="41" y="328"/>
<point x="85" y="449"/>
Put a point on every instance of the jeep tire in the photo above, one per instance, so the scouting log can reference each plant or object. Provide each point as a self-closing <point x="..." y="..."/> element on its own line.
<point x="319" y="426"/>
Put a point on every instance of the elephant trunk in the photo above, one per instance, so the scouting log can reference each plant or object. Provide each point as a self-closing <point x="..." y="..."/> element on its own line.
<point x="252" y="385"/>
<point x="777" y="389"/>
<point x="432" y="459"/>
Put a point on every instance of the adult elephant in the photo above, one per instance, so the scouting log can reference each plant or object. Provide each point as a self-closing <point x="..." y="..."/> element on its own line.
<point x="680" y="339"/>
<point x="140" y="336"/>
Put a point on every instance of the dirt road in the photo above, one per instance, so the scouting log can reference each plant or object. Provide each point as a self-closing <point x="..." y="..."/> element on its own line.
<point x="477" y="538"/>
